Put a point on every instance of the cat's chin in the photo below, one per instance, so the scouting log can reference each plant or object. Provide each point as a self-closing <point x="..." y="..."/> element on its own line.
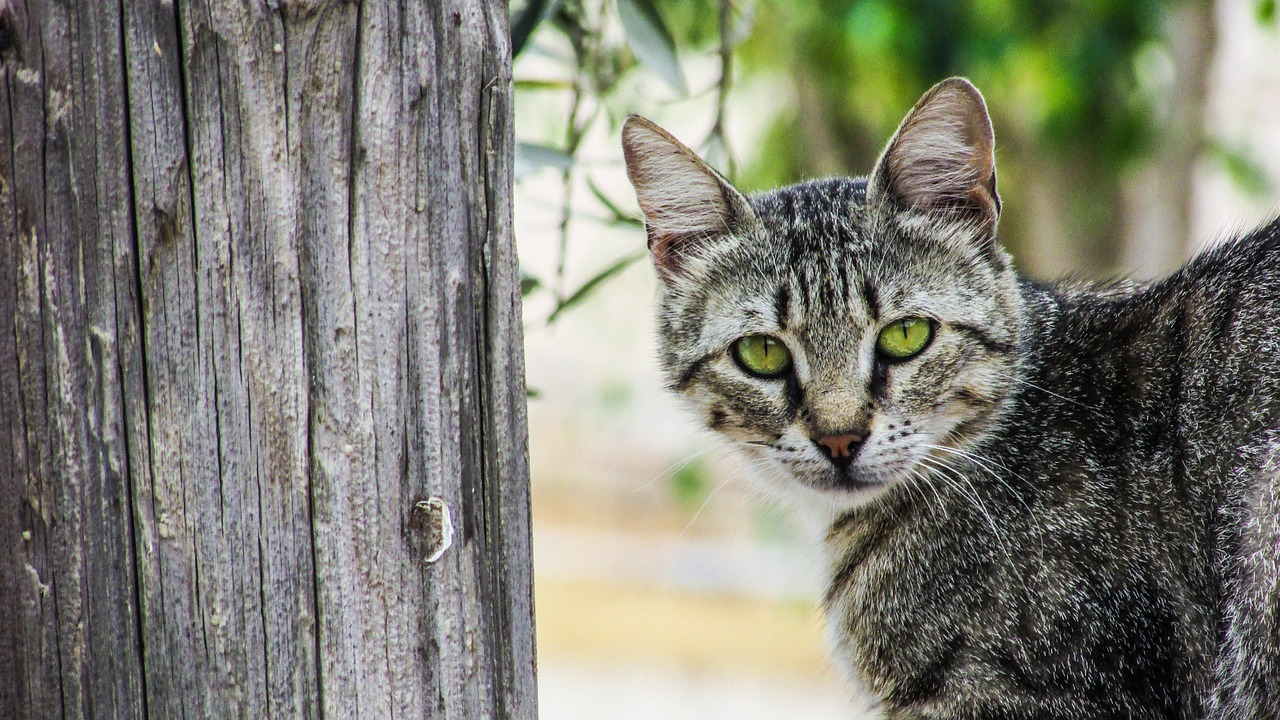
<point x="817" y="499"/>
<point x="851" y="481"/>
<point x="819" y="507"/>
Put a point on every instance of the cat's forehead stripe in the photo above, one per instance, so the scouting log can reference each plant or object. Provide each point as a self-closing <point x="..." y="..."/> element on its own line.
<point x="811" y="215"/>
<point x="781" y="302"/>
<point x="872" y="297"/>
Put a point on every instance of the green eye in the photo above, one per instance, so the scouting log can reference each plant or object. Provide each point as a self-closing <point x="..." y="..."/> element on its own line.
<point x="762" y="355"/>
<point x="904" y="338"/>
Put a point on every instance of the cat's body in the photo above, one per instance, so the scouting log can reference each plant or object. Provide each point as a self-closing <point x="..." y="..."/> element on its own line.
<point x="1081" y="569"/>
<point x="1043" y="502"/>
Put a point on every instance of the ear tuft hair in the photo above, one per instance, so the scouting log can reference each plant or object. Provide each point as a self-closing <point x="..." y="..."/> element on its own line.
<point x="942" y="159"/>
<point x="684" y="201"/>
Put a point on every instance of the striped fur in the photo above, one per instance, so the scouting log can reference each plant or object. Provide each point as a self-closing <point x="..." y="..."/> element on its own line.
<point x="1066" y="506"/>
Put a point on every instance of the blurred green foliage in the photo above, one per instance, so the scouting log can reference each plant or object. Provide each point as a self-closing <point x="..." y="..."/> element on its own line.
<point x="690" y="485"/>
<point x="1069" y="71"/>
<point x="1080" y="91"/>
<point x="598" y="65"/>
<point x="1064" y="73"/>
<point x="1265" y="11"/>
<point x="1075" y="89"/>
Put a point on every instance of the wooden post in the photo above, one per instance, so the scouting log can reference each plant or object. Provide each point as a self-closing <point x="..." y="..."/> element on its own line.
<point x="259" y="334"/>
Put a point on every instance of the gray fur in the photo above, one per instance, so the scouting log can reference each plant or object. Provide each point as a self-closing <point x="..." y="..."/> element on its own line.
<point x="1067" y="506"/>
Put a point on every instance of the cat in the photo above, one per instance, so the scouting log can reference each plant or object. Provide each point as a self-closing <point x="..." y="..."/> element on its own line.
<point x="1039" y="501"/>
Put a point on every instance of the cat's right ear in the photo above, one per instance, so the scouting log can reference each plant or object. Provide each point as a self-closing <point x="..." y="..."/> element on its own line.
<point x="686" y="204"/>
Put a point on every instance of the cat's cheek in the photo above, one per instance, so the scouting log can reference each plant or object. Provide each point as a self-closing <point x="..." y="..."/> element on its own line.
<point x="964" y="421"/>
<point x="739" y="435"/>
<point x="739" y="409"/>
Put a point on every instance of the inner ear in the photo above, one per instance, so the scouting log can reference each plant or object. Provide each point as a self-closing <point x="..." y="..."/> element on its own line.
<point x="942" y="159"/>
<point x="687" y="205"/>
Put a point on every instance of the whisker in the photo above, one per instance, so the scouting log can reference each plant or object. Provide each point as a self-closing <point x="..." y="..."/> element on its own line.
<point x="677" y="466"/>
<point x="1024" y="586"/>
<point x="988" y="466"/>
<point x="918" y="478"/>
<point x="971" y="494"/>
<point x="702" y="507"/>
<point x="1037" y="387"/>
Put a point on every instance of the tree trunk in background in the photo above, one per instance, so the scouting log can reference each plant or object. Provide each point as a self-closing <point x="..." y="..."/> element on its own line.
<point x="1138" y="226"/>
<point x="1159" y="198"/>
<point x="258" y="301"/>
<point x="1047" y="191"/>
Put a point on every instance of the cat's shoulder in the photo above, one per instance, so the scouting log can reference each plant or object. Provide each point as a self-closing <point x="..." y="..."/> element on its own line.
<point x="1253" y="252"/>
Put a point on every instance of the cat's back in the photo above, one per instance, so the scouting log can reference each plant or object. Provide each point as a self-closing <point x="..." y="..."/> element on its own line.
<point x="1218" y="319"/>
<point x="1170" y="393"/>
<point x="1231" y="296"/>
<point x="1199" y="349"/>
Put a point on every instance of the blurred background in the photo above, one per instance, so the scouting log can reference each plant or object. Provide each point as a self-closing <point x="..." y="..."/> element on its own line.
<point x="1130" y="134"/>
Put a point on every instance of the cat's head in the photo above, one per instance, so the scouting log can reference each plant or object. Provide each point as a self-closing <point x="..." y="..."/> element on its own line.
<point x="844" y="334"/>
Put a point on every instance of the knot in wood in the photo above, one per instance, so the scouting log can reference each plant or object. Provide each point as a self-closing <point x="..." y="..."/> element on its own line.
<point x="430" y="528"/>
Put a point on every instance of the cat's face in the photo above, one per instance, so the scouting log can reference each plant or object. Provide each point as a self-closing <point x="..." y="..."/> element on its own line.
<point x="844" y="334"/>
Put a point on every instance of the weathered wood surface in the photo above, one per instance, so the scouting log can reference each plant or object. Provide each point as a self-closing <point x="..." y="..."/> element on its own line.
<point x="258" y="297"/>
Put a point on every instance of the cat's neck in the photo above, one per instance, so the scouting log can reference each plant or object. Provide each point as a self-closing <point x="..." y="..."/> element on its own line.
<point x="1090" y="346"/>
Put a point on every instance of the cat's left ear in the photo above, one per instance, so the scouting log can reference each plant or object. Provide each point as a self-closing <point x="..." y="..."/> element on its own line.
<point x="942" y="159"/>
<point x="686" y="204"/>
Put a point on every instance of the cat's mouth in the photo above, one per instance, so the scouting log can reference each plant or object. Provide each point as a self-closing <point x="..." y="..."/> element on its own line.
<point x="844" y="479"/>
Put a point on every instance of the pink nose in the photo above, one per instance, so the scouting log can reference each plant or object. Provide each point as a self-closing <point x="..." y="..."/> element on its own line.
<point x="838" y="447"/>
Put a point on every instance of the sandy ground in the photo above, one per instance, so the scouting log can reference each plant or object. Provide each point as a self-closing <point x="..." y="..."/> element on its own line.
<point x="644" y="691"/>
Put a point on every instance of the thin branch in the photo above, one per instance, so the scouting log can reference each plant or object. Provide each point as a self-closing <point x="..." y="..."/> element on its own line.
<point x="573" y="137"/>
<point x="726" y="83"/>
<point x="586" y="49"/>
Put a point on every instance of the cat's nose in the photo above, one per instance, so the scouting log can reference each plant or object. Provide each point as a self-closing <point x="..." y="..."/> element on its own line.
<point x="840" y="449"/>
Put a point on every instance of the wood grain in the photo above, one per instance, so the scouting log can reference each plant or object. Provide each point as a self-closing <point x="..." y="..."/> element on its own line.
<point x="258" y="298"/>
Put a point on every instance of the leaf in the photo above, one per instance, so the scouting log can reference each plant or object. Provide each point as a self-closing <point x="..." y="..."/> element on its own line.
<point x="587" y="287"/>
<point x="527" y="20"/>
<point x="741" y="29"/>
<point x="1265" y="12"/>
<point x="531" y="157"/>
<point x="619" y="216"/>
<point x="532" y="393"/>
<point x="528" y="284"/>
<point x="532" y="84"/>
<point x="651" y="41"/>
<point x="1242" y="168"/>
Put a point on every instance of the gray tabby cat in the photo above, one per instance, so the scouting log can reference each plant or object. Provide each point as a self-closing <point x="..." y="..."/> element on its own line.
<point x="1040" y="501"/>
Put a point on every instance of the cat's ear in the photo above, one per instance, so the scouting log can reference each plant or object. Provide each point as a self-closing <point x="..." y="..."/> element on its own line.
<point x="686" y="204"/>
<point x="942" y="159"/>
